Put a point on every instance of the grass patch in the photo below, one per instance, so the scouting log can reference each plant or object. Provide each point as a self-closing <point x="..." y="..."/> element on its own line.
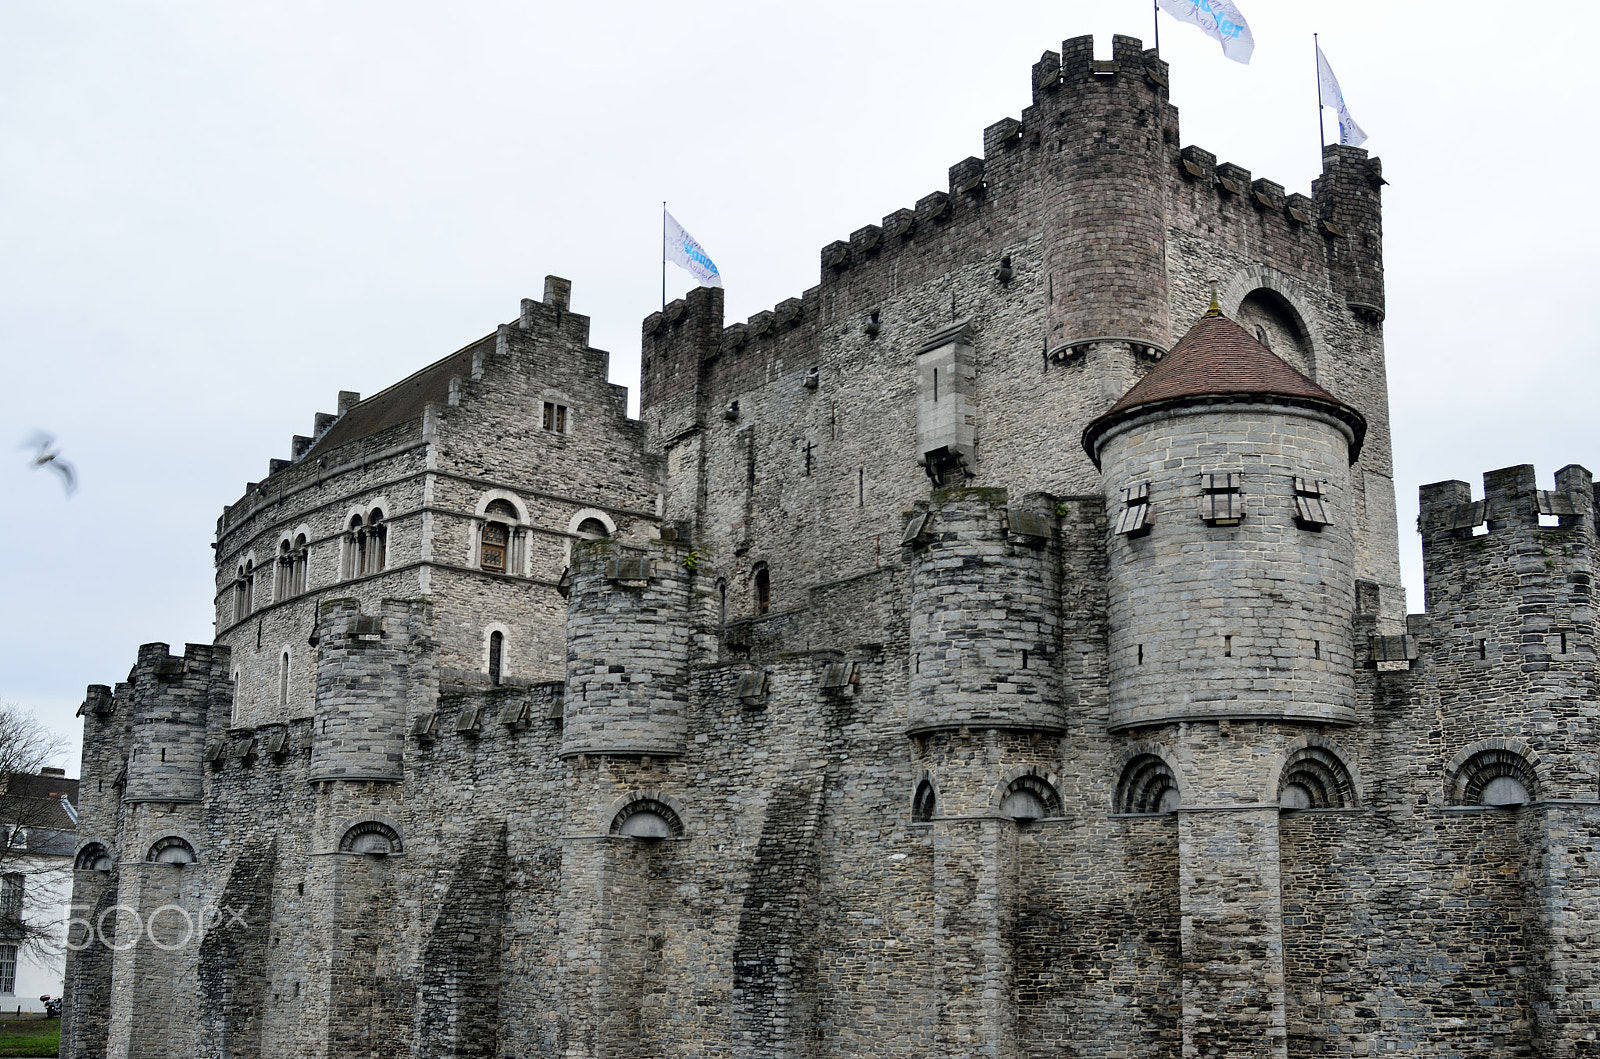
<point x="30" y="1037"/>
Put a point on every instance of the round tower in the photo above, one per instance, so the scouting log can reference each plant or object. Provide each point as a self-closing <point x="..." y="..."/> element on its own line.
<point x="1106" y="230"/>
<point x="1232" y="557"/>
<point x="628" y="649"/>
<point x="985" y="619"/>
<point x="368" y="667"/>
<point x="171" y="703"/>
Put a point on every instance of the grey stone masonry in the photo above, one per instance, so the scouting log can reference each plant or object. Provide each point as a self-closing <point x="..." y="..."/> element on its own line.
<point x="985" y="606"/>
<point x="370" y="669"/>
<point x="1246" y="617"/>
<point x="839" y="708"/>
<point x="628" y="649"/>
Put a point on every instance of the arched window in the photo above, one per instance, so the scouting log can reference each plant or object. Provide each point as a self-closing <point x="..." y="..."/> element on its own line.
<point x="375" y="543"/>
<point x="497" y="646"/>
<point x="1147" y="786"/>
<point x="647" y="818"/>
<point x="1498" y="778"/>
<point x="283" y="678"/>
<point x="924" y="802"/>
<point x="1029" y="798"/>
<point x="171" y="850"/>
<point x="763" y="584"/>
<point x="234" y="715"/>
<point x="299" y="557"/>
<point x="371" y="837"/>
<point x="500" y="547"/>
<point x="93" y="857"/>
<point x="351" y="565"/>
<point x="283" y="573"/>
<point x="243" y="590"/>
<point x="592" y="529"/>
<point x="1314" y="777"/>
<point x="366" y="544"/>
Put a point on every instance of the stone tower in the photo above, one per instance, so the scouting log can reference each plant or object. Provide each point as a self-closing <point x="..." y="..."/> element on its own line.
<point x="1231" y="601"/>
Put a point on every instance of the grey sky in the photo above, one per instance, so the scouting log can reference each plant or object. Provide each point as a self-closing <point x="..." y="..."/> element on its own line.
<point x="214" y="217"/>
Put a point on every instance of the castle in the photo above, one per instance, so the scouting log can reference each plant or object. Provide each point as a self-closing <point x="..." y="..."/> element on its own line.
<point x="997" y="650"/>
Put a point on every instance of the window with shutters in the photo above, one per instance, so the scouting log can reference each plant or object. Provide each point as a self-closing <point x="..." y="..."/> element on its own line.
<point x="1134" y="519"/>
<point x="493" y="552"/>
<point x="557" y="418"/>
<point x="1221" y="502"/>
<point x="1310" y="507"/>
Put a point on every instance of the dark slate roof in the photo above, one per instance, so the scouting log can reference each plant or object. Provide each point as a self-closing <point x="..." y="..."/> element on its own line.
<point x="36" y="803"/>
<point x="1219" y="360"/>
<point x="400" y="403"/>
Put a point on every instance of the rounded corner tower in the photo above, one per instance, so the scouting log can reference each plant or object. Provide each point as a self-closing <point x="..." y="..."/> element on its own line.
<point x="1226" y="475"/>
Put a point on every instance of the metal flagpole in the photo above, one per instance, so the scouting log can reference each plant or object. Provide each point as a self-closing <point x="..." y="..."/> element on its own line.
<point x="663" y="255"/>
<point x="1155" y="13"/>
<point x="1322" y="136"/>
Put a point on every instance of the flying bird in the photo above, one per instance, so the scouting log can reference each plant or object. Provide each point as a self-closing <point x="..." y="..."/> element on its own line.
<point x="45" y="454"/>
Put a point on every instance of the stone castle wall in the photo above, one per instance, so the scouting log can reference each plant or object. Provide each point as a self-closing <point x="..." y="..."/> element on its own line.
<point x="922" y="801"/>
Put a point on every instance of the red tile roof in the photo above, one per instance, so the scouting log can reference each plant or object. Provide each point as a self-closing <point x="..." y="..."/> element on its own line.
<point x="1218" y="359"/>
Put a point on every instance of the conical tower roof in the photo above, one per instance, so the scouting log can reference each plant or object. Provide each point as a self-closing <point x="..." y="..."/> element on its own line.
<point x="1220" y="362"/>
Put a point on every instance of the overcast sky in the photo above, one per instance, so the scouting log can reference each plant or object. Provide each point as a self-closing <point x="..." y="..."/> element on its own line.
<point x="213" y="217"/>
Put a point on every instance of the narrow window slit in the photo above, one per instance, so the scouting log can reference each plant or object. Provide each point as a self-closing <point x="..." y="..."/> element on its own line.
<point x="1227" y="647"/>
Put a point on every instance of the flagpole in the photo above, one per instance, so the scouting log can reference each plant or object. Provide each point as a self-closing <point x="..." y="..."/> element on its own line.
<point x="1155" y="14"/>
<point x="664" y="252"/>
<point x="1322" y="136"/>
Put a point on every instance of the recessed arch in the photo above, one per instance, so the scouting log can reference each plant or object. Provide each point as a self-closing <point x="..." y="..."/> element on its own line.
<point x="1494" y="772"/>
<point x="1288" y="297"/>
<point x="1314" y="773"/>
<point x="653" y="815"/>
<point x="1148" y="784"/>
<point x="489" y="496"/>
<point x="172" y="849"/>
<point x="1026" y="793"/>
<point x="924" y="797"/>
<point x="371" y="837"/>
<point x="93" y="856"/>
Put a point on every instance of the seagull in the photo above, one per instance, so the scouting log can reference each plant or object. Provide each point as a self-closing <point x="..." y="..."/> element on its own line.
<point x="47" y="455"/>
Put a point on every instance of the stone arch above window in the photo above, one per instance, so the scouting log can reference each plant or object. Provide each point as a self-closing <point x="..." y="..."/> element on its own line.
<point x="924" y="799"/>
<point x="1495" y="773"/>
<point x="93" y="856"/>
<point x="172" y="849"/>
<point x="1147" y="785"/>
<point x="497" y="653"/>
<point x="366" y="539"/>
<point x="1315" y="775"/>
<point x="502" y="540"/>
<point x="500" y="500"/>
<point x="1027" y="793"/>
<point x="1277" y="304"/>
<point x="373" y="838"/>
<point x="646" y="815"/>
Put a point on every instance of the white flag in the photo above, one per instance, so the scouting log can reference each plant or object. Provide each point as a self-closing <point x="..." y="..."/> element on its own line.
<point x="1350" y="133"/>
<point x="682" y="250"/>
<point x="1220" y="20"/>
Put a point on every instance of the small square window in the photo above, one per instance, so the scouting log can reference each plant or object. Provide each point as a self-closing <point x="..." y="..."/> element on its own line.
<point x="556" y="417"/>
<point x="1310" y="508"/>
<point x="1135" y="515"/>
<point x="1221" y="501"/>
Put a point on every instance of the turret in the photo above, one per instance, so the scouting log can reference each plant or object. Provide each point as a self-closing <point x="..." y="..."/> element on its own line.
<point x="172" y="701"/>
<point x="1351" y="212"/>
<point x="1510" y="628"/>
<point x="1232" y="585"/>
<point x="369" y="669"/>
<point x="985" y="614"/>
<point x="1106" y="230"/>
<point x="628" y="650"/>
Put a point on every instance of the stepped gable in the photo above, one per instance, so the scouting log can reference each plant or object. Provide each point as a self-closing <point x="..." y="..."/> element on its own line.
<point x="1219" y="360"/>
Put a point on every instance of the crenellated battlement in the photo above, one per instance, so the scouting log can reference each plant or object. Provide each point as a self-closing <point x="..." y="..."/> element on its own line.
<point x="172" y="699"/>
<point x="1078" y="107"/>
